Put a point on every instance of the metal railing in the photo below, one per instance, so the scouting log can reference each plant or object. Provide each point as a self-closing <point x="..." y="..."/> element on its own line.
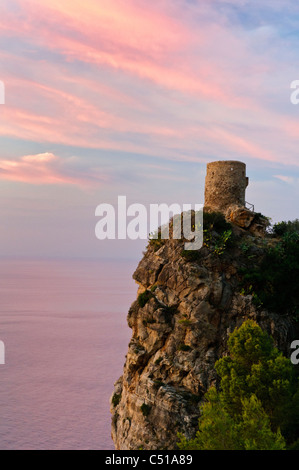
<point x="249" y="206"/>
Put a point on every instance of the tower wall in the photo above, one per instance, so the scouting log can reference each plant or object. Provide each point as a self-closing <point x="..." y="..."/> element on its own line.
<point x="225" y="185"/>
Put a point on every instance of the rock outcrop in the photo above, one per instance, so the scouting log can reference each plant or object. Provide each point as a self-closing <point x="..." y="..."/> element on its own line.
<point x="187" y="305"/>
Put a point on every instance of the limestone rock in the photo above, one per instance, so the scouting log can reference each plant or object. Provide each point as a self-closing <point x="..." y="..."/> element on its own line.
<point x="240" y="216"/>
<point x="179" y="330"/>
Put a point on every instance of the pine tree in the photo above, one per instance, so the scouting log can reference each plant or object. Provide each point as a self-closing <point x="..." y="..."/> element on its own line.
<point x="256" y="406"/>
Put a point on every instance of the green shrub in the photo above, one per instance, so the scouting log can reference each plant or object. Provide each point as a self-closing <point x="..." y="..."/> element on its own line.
<point x="154" y="287"/>
<point x="281" y="228"/>
<point x="184" y="347"/>
<point x="215" y="221"/>
<point x="191" y="255"/>
<point x="223" y="242"/>
<point x="256" y="406"/>
<point x="218" y="430"/>
<point x="144" y="297"/>
<point x="185" y="321"/>
<point x="145" y="409"/>
<point x="218" y="242"/>
<point x="168" y="312"/>
<point x="157" y="361"/>
<point x="156" y="240"/>
<point x="116" y="399"/>
<point x="274" y="281"/>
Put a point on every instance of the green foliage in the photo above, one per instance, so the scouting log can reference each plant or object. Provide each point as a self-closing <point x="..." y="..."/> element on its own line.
<point x="217" y="244"/>
<point x="255" y="428"/>
<point x="215" y="221"/>
<point x="156" y="240"/>
<point x="116" y="399"/>
<point x="257" y="406"/>
<point x="222" y="242"/>
<point x="185" y="321"/>
<point x="218" y="430"/>
<point x="256" y="367"/>
<point x="274" y="281"/>
<point x="281" y="228"/>
<point x="217" y="236"/>
<point x="184" y="347"/>
<point x="145" y="409"/>
<point x="191" y="255"/>
<point x="168" y="312"/>
<point x="154" y="287"/>
<point x="144" y="297"/>
<point x="217" y="232"/>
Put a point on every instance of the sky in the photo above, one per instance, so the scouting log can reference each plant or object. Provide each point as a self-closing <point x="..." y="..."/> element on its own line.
<point x="129" y="97"/>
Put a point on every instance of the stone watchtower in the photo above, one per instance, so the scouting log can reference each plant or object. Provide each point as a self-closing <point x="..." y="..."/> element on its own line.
<point x="225" y="185"/>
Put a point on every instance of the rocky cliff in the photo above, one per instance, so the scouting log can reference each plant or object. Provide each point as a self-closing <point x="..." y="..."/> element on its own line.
<point x="187" y="305"/>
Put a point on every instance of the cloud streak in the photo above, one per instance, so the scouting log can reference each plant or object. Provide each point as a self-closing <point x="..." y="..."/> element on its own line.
<point x="134" y="97"/>
<point x="287" y="179"/>
<point x="44" y="168"/>
<point x="176" y="80"/>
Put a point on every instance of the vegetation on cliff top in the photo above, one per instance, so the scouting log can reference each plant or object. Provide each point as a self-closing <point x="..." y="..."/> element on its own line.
<point x="273" y="278"/>
<point x="268" y="272"/>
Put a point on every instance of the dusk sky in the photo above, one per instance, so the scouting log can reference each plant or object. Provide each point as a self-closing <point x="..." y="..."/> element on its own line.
<point x="131" y="97"/>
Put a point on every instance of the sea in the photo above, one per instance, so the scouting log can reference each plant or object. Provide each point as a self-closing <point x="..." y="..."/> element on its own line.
<point x="64" y="328"/>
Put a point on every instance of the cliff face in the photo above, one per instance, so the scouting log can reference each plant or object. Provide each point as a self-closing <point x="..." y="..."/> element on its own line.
<point x="187" y="306"/>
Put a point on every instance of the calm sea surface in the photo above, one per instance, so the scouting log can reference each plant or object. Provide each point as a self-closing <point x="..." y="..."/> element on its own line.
<point x="64" y="327"/>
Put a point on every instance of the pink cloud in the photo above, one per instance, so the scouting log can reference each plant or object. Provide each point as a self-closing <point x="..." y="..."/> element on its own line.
<point x="287" y="179"/>
<point x="136" y="38"/>
<point x="186" y="61"/>
<point x="39" y="169"/>
<point x="244" y="145"/>
<point x="124" y="25"/>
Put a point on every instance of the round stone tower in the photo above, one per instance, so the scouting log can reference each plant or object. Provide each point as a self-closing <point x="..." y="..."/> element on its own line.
<point x="225" y="185"/>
